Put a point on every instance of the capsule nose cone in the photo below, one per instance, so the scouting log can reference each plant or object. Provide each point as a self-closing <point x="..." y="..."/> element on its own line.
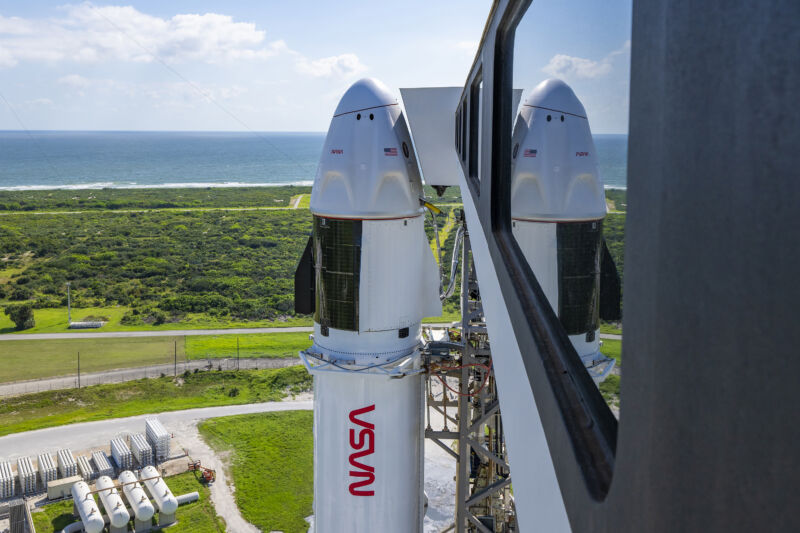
<point x="556" y="95"/>
<point x="364" y="94"/>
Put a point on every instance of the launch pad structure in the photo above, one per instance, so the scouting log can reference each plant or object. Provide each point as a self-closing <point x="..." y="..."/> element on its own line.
<point x="460" y="364"/>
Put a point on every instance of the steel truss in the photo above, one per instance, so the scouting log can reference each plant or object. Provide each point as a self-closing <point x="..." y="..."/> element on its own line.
<point x="460" y="364"/>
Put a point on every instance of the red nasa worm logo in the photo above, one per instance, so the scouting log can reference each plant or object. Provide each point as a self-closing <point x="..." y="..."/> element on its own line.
<point x="363" y="440"/>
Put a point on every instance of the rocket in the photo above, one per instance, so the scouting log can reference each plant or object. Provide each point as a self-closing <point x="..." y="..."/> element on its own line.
<point x="557" y="210"/>
<point x="369" y="277"/>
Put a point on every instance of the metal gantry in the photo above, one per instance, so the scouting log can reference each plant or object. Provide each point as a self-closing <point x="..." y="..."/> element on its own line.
<point x="459" y="364"/>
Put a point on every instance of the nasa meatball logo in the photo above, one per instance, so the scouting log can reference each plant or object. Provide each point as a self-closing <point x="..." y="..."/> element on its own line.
<point x="362" y="442"/>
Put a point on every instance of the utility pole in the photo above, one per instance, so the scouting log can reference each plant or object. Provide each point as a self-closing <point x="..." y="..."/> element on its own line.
<point x="79" y="370"/>
<point x="69" y="306"/>
<point x="175" y="358"/>
<point x="237" y="353"/>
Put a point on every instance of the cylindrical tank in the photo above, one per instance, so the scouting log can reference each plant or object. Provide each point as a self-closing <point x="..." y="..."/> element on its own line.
<point x="112" y="502"/>
<point x="166" y="501"/>
<point x="87" y="508"/>
<point x="557" y="209"/>
<point x="134" y="493"/>
<point x="375" y="279"/>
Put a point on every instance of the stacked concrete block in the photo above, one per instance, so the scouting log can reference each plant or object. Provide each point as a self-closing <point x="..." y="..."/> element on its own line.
<point x="142" y="451"/>
<point x="67" y="466"/>
<point x="26" y="475"/>
<point x="85" y="469"/>
<point x="47" y="469"/>
<point x="7" y="481"/>
<point x="121" y="454"/>
<point x="102" y="466"/>
<point x="158" y="437"/>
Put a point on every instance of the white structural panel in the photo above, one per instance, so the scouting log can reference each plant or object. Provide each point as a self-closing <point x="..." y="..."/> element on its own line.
<point x="7" y="481"/>
<point x="536" y="492"/>
<point x="67" y="466"/>
<point x="134" y="493"/>
<point x="26" y="475"/>
<point x="399" y="275"/>
<point x="158" y="489"/>
<point x="102" y="465"/>
<point x="47" y="469"/>
<point x="368" y="168"/>
<point x="159" y="438"/>
<point x="87" y="508"/>
<point x="121" y="453"/>
<point x="141" y="449"/>
<point x="85" y="469"/>
<point x="431" y="111"/>
<point x="112" y="502"/>
<point x="368" y="454"/>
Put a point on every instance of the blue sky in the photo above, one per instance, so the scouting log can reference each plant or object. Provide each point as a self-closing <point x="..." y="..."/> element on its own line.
<point x="277" y="65"/>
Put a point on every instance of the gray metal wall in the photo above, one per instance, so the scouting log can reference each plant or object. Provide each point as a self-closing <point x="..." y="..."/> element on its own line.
<point x="711" y="393"/>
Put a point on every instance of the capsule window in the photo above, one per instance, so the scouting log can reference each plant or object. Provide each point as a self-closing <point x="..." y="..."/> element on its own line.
<point x="371" y="116"/>
<point x="549" y="118"/>
<point x="358" y="116"/>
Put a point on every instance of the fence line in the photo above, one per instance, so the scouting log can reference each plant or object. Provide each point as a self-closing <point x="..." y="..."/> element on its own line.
<point x="144" y="372"/>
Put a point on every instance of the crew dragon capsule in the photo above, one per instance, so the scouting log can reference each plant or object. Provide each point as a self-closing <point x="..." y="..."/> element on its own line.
<point x="369" y="277"/>
<point x="557" y="209"/>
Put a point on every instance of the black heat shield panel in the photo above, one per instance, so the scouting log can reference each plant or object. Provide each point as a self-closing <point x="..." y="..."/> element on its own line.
<point x="579" y="275"/>
<point x="337" y="265"/>
<point x="610" y="287"/>
<point x="304" y="299"/>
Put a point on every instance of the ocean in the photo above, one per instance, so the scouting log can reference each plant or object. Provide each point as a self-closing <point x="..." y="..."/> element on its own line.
<point x="94" y="160"/>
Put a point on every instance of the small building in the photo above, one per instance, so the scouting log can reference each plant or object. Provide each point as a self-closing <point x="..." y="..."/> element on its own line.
<point x="60" y="488"/>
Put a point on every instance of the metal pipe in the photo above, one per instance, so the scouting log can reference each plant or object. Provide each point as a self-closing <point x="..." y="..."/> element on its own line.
<point x="188" y="498"/>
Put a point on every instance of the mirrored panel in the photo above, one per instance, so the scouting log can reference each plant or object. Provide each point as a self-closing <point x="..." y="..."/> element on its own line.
<point x="568" y="170"/>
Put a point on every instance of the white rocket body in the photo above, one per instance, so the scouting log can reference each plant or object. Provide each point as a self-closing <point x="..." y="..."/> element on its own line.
<point x="376" y="279"/>
<point x="557" y="208"/>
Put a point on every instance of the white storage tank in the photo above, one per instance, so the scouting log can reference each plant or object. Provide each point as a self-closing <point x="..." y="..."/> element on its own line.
<point x="47" y="469"/>
<point x="159" y="438"/>
<point x="7" y="481"/>
<point x="67" y="466"/>
<point x="143" y="510"/>
<point x="121" y="454"/>
<point x="27" y="475"/>
<point x="112" y="502"/>
<point x="87" y="508"/>
<point x="141" y="450"/>
<point x="102" y="466"/>
<point x="86" y="469"/>
<point x="161" y="493"/>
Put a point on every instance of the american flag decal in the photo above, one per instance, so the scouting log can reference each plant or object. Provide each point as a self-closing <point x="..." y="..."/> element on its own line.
<point x="390" y="151"/>
<point x="529" y="153"/>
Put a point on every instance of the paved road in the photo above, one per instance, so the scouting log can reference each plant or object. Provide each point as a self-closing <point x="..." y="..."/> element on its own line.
<point x="90" y="434"/>
<point x="129" y="374"/>
<point x="155" y="333"/>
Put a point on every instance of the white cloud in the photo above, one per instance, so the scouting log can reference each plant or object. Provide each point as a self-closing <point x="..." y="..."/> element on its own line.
<point x="343" y="66"/>
<point x="39" y="102"/>
<point x="89" y="34"/>
<point x="75" y="81"/>
<point x="565" y="66"/>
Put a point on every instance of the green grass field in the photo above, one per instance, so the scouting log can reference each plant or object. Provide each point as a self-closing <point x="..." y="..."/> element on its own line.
<point x="54" y="320"/>
<point x="100" y="402"/>
<point x="196" y="517"/>
<point x="272" y="465"/>
<point x="250" y="345"/>
<point x="36" y="359"/>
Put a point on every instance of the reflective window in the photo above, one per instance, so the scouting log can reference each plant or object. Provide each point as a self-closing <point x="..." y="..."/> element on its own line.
<point x="568" y="156"/>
